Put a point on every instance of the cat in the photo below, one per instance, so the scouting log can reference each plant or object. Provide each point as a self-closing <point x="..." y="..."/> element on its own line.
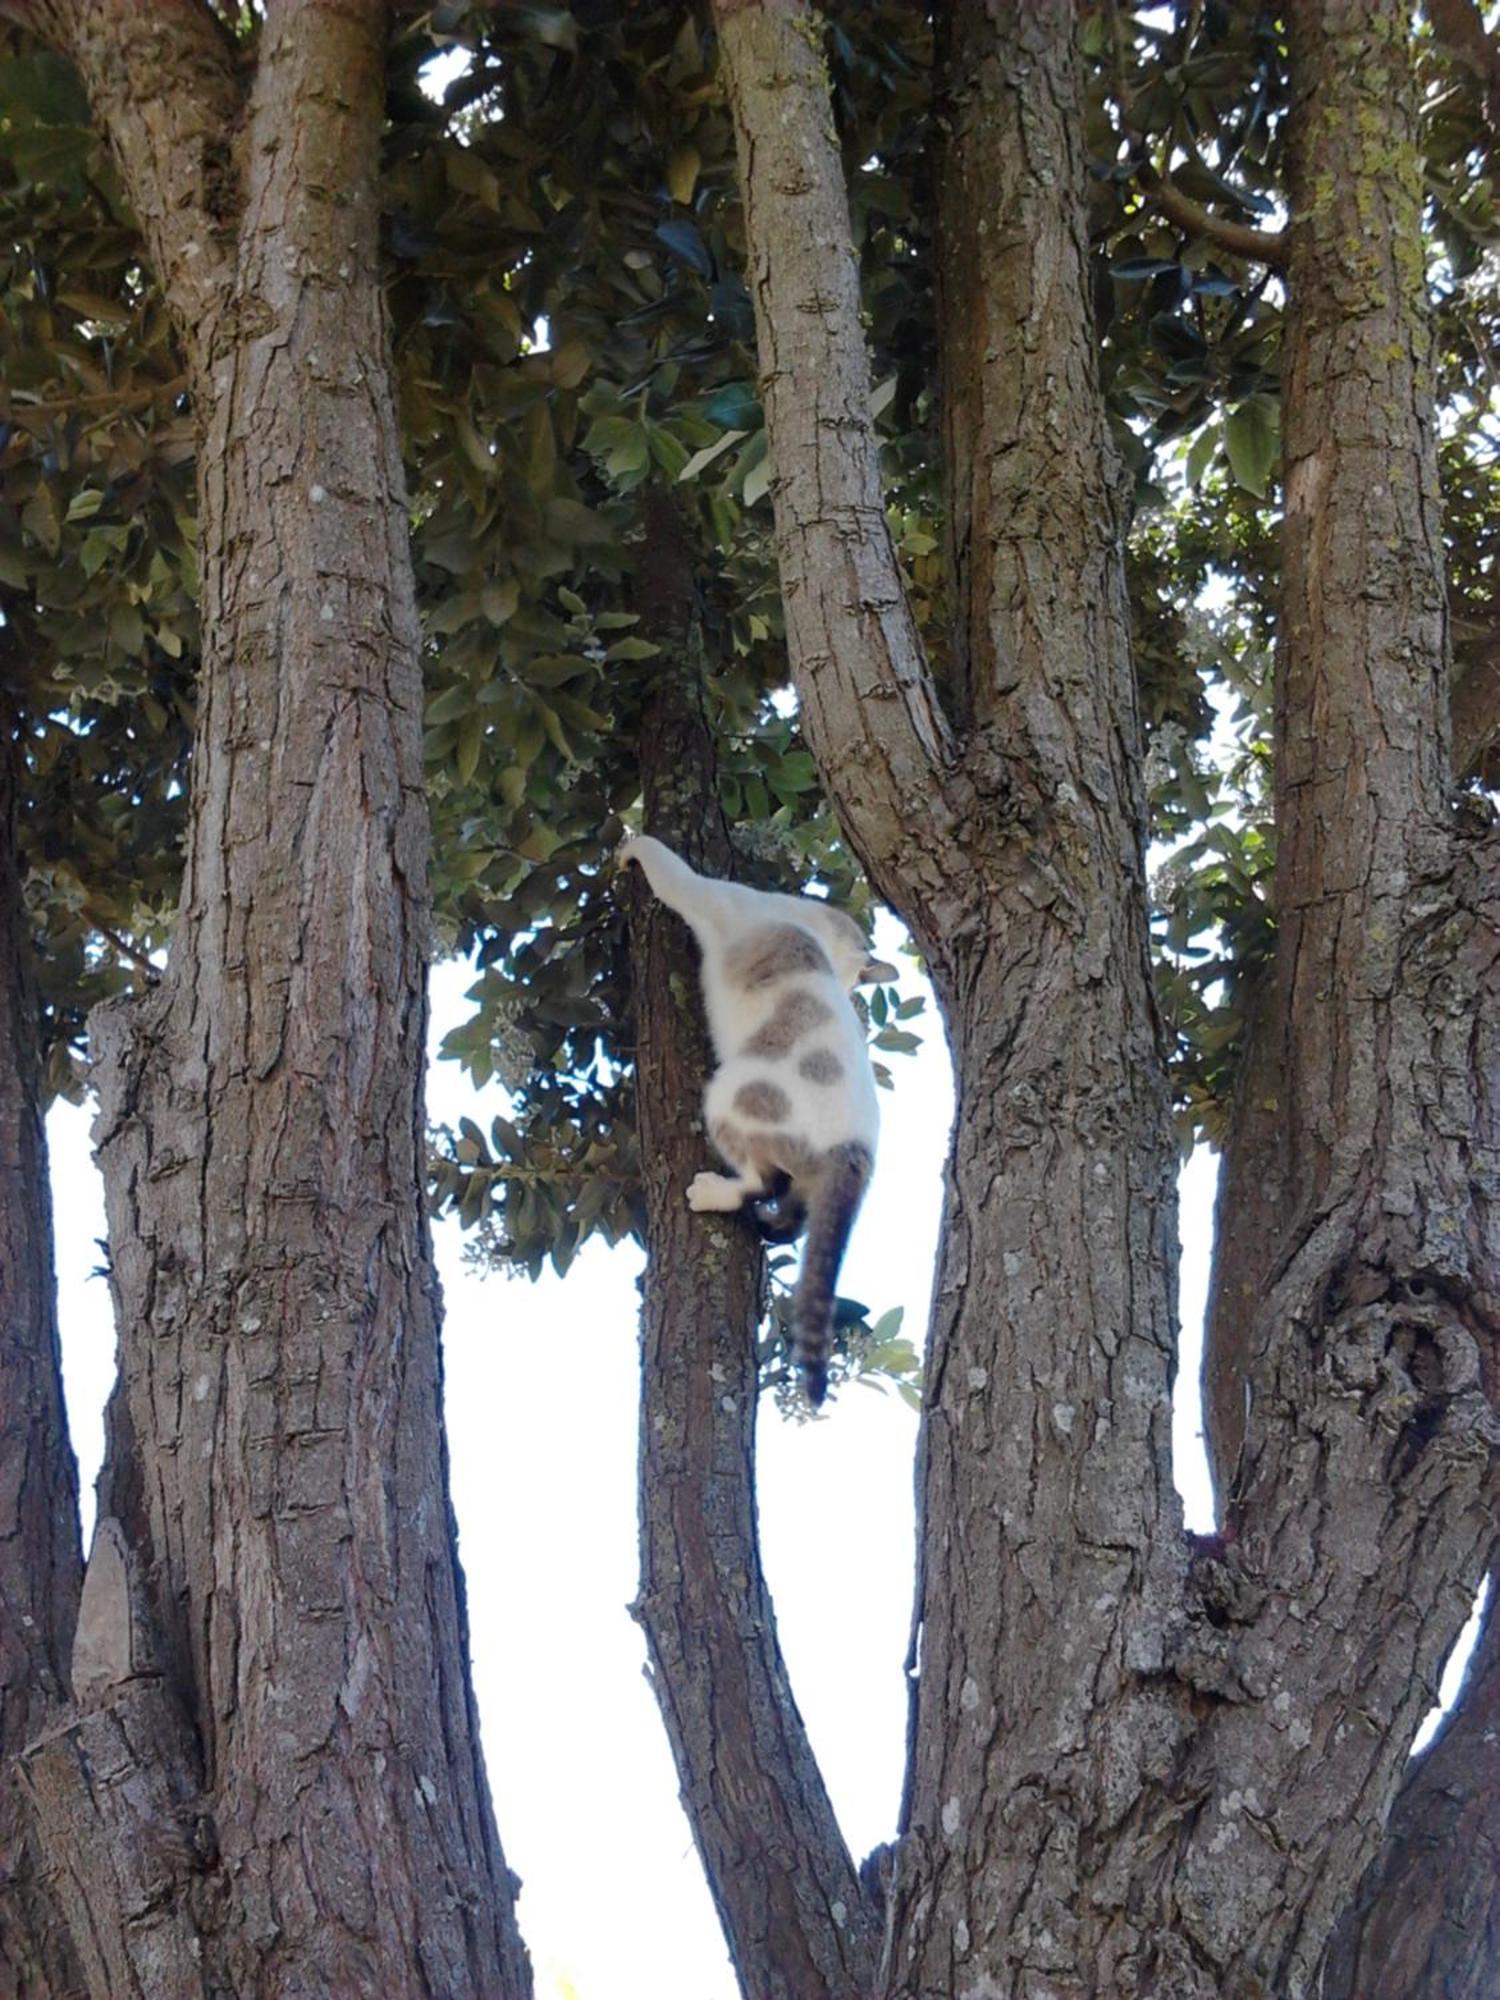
<point x="792" y="1106"/>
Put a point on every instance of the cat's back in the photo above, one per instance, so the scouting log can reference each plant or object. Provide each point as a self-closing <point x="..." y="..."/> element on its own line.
<point x="758" y="975"/>
<point x="770" y="953"/>
<point x="791" y="1047"/>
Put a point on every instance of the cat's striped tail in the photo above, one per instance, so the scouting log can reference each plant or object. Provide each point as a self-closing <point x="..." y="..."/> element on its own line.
<point x="833" y="1204"/>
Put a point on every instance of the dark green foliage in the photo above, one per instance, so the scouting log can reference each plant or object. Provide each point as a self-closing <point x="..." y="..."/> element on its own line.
<point x="98" y="581"/>
<point x="570" y="328"/>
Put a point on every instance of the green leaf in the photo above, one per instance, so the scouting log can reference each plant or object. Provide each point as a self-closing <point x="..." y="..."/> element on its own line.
<point x="1200" y="452"/>
<point x="570" y="363"/>
<point x="499" y="600"/>
<point x="475" y="450"/>
<point x="1252" y="438"/>
<point x="682" y="173"/>
<point x="127" y="630"/>
<point x="736" y="407"/>
<point x="701" y="460"/>
<point x="898" y="1041"/>
<point x="683" y="240"/>
<point x="450" y="704"/>
<point x="758" y="481"/>
<point x="470" y="743"/>
<point x="39" y="519"/>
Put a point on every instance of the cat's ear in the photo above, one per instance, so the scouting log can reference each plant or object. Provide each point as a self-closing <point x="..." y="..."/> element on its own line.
<point x="876" y="972"/>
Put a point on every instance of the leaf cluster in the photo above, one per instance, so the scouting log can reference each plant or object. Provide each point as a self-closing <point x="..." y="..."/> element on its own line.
<point x="98" y="583"/>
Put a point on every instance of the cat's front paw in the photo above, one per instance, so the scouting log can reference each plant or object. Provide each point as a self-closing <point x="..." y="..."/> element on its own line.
<point x="714" y="1194"/>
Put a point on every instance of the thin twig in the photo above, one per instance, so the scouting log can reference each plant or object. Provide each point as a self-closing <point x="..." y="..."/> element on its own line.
<point x="125" y="948"/>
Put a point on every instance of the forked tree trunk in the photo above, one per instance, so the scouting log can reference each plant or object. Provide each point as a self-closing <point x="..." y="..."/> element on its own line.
<point x="40" y="1566"/>
<point x="1140" y="1768"/>
<point x="272" y="1781"/>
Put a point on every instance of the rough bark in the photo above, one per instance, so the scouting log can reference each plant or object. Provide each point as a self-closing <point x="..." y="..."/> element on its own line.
<point x="291" y="1613"/>
<point x="1045" y="1435"/>
<point x="1047" y="1500"/>
<point x="1351" y="1332"/>
<point x="869" y="710"/>
<point x="40" y="1560"/>
<point x="1139" y="1768"/>
<point x="1426" y="1921"/>
<point x="786" y="1891"/>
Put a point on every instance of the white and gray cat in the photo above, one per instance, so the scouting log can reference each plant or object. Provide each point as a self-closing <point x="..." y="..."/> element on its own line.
<point x="792" y="1106"/>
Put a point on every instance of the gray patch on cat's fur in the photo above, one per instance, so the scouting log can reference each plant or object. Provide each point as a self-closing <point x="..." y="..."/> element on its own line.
<point x="774" y="951"/>
<point x="797" y="1014"/>
<point x="763" y="1100"/>
<point x="820" y="1066"/>
<point x="765" y="1153"/>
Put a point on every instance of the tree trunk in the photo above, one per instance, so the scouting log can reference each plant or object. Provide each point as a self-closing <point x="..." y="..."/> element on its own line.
<point x="1137" y="1767"/>
<point x="784" y="1886"/>
<point x="40" y="1565"/>
<point x="274" y="1650"/>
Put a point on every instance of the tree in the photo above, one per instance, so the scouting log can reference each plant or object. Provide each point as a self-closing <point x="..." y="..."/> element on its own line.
<point x="269" y="1777"/>
<point x="1139" y="1762"/>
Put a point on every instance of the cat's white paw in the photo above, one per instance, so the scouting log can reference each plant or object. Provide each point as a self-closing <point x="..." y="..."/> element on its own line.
<point x="714" y="1194"/>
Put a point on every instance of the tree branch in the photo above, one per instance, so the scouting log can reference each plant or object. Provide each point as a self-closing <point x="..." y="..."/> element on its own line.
<point x="786" y="1891"/>
<point x="338" y="1725"/>
<point x="869" y="709"/>
<point x="116" y="1789"/>
<point x="40" y="1566"/>
<point x="1260" y="246"/>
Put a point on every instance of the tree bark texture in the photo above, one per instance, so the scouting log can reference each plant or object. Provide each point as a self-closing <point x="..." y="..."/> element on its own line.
<point x="1139" y="1767"/>
<point x="1352" y="1361"/>
<point x="288" y="1608"/>
<point x="797" y="1921"/>
<point x="1426" y="1921"/>
<point x="40" y="1560"/>
<point x="869" y="711"/>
